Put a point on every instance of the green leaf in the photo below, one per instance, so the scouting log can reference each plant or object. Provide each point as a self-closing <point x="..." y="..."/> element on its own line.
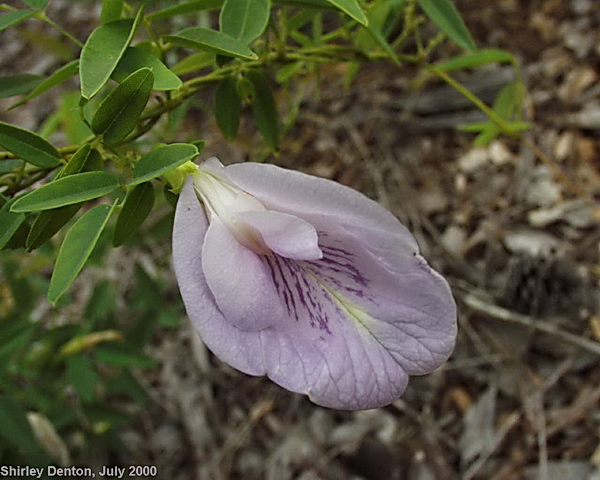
<point x="137" y="207"/>
<point x="170" y="197"/>
<point x="351" y="8"/>
<point x="28" y="146"/>
<point x="507" y="105"/>
<point x="14" y="337"/>
<point x="119" y="113"/>
<point x="102" y="52"/>
<point x="49" y="222"/>
<point x="107" y="417"/>
<point x="14" y="426"/>
<point x="444" y="14"/>
<point x="201" y="38"/>
<point x="12" y="18"/>
<point x="70" y="119"/>
<point x="161" y="160"/>
<point x="76" y="248"/>
<point x="146" y="296"/>
<point x="383" y="43"/>
<point x="126" y="384"/>
<point x="245" y="20"/>
<point x="379" y="15"/>
<point x="37" y="4"/>
<point x="284" y="74"/>
<point x="18" y="84"/>
<point x="196" y="61"/>
<point x="476" y="59"/>
<point x="304" y="17"/>
<point x="245" y="89"/>
<point x="84" y="159"/>
<point x="121" y="355"/>
<point x="199" y="144"/>
<point x="136" y="58"/>
<point x="185" y="8"/>
<point x="11" y="165"/>
<point x="9" y="223"/>
<point x="63" y="73"/>
<point x="82" y="376"/>
<point x="66" y="191"/>
<point x="111" y="10"/>
<point x="509" y="99"/>
<point x="19" y="238"/>
<point x="101" y="305"/>
<point x="265" y="108"/>
<point x="228" y="107"/>
<point x="318" y="4"/>
<point x="477" y="127"/>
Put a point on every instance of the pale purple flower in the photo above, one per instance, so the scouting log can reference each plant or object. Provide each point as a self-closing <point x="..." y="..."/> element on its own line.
<point x="309" y="282"/>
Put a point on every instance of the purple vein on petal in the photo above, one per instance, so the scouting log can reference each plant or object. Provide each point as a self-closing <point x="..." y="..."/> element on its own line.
<point x="301" y="294"/>
<point x="337" y="269"/>
<point x="281" y="284"/>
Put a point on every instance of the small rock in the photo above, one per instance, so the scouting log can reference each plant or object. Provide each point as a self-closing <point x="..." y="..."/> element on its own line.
<point x="499" y="153"/>
<point x="532" y="243"/>
<point x="473" y="160"/>
<point x="588" y="118"/>
<point x="454" y="239"/>
<point x="564" y="145"/>
<point x="433" y="200"/>
<point x="581" y="6"/>
<point x="577" y="82"/>
<point x="578" y="37"/>
<point x="460" y="183"/>
<point x="544" y="190"/>
<point x="576" y="213"/>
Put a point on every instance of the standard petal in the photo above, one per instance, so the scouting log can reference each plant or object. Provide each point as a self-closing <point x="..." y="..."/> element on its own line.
<point x="398" y="298"/>
<point x="286" y="235"/>
<point x="240" y="282"/>
<point x="312" y="350"/>
<point x="356" y="322"/>
<point x="241" y="350"/>
<point x="319" y="201"/>
<point x="319" y="350"/>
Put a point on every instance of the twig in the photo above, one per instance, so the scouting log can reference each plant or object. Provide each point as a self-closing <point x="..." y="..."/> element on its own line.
<point x="507" y="426"/>
<point x="500" y="313"/>
<point x="42" y="16"/>
<point x="506" y="128"/>
<point x="472" y="362"/>
<point x="542" y="436"/>
<point x="585" y="402"/>
<point x="62" y="150"/>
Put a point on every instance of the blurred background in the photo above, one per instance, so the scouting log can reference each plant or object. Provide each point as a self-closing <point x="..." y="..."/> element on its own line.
<point x="114" y="374"/>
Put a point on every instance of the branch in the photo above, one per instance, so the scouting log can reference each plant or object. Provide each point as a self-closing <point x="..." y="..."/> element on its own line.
<point x="494" y="311"/>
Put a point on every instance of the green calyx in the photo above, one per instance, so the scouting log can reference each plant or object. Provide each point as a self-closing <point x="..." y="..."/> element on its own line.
<point x="176" y="177"/>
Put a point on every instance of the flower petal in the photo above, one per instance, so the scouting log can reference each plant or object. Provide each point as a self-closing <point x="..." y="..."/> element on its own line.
<point x="319" y="201"/>
<point x="239" y="280"/>
<point x="356" y="322"/>
<point x="401" y="301"/>
<point x="214" y="166"/>
<point x="318" y="350"/>
<point x="285" y="234"/>
<point x="241" y="350"/>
